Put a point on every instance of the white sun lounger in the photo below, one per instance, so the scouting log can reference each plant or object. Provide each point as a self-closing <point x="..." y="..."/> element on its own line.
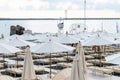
<point x="101" y="70"/>
<point x="59" y="59"/>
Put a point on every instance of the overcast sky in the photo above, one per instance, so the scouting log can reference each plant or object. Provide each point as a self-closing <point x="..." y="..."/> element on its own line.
<point x="56" y="8"/>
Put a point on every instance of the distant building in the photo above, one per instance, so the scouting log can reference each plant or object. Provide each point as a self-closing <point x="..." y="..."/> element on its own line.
<point x="16" y="30"/>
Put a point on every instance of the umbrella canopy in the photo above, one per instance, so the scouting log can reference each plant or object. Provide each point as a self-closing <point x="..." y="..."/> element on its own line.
<point x="117" y="41"/>
<point x="76" y="36"/>
<point x="5" y="77"/>
<point x="4" y="48"/>
<point x="63" y="74"/>
<point x="115" y="58"/>
<point x="51" y="47"/>
<point x="79" y="71"/>
<point x="117" y="35"/>
<point x="68" y="40"/>
<point x="27" y="37"/>
<point x="97" y="40"/>
<point x="106" y="34"/>
<point x="82" y="36"/>
<point x="28" y="69"/>
<point x="4" y="40"/>
<point x="47" y="38"/>
<point x="13" y="37"/>
<point x="17" y="42"/>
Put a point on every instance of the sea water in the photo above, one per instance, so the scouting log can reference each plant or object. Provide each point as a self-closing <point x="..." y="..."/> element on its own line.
<point x="51" y="25"/>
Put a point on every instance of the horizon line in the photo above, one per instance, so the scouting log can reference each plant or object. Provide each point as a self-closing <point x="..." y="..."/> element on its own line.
<point x="59" y="18"/>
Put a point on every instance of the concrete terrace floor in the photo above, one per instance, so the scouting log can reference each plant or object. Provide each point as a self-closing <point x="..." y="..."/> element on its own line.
<point x="90" y="75"/>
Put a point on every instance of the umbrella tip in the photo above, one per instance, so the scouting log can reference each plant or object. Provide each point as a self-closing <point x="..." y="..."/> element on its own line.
<point x="16" y="38"/>
<point x="28" y="46"/>
<point x="98" y="35"/>
<point x="66" y="33"/>
<point x="49" y="40"/>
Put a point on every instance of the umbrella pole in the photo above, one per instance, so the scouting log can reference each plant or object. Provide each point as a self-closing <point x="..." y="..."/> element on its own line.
<point x="16" y="60"/>
<point x="3" y="60"/>
<point x="67" y="57"/>
<point x="50" y="65"/>
<point x="104" y="49"/>
<point x="95" y="59"/>
<point x="99" y="53"/>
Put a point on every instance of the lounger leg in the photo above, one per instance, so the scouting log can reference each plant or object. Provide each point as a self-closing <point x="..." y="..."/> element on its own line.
<point x="16" y="60"/>
<point x="50" y="65"/>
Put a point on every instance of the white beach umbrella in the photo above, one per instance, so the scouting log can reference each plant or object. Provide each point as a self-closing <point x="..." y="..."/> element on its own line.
<point x="117" y="41"/>
<point x="43" y="39"/>
<point x="17" y="42"/>
<point x="108" y="36"/>
<point x="28" y="68"/>
<point x="115" y="58"/>
<point x="4" y="40"/>
<point x="82" y="36"/>
<point x="41" y="36"/>
<point x="117" y="35"/>
<point x="27" y="37"/>
<point x="5" y="77"/>
<point x="78" y="37"/>
<point x="97" y="41"/>
<point x="68" y="40"/>
<point x="63" y="74"/>
<point x="104" y="33"/>
<point x="79" y="71"/>
<point x="5" y="48"/>
<point x="61" y="35"/>
<point x="51" y="47"/>
<point x="13" y="37"/>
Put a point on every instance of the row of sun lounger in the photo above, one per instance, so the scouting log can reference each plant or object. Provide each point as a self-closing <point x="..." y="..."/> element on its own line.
<point x="97" y="62"/>
<point x="101" y="70"/>
<point x="111" y="70"/>
<point x="36" y="56"/>
<point x="62" y="60"/>
<point x="116" y="69"/>
<point x="53" y="60"/>
<point x="17" y="72"/>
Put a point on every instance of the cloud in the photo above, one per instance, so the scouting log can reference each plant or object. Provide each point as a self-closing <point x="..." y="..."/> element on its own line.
<point x="101" y="1"/>
<point x="24" y="5"/>
<point x="67" y="5"/>
<point x="18" y="7"/>
<point x="60" y="13"/>
<point x="37" y="5"/>
<point x="103" y="5"/>
<point x="106" y="1"/>
<point x="6" y="5"/>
